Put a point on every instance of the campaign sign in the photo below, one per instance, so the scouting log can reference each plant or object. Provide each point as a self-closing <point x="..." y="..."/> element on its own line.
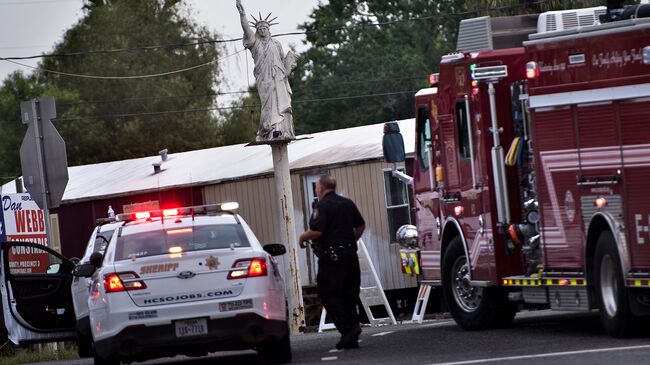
<point x="2" y="224"/>
<point x="24" y="221"/>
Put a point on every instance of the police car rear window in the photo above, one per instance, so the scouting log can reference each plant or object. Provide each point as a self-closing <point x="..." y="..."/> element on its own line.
<point x="161" y="242"/>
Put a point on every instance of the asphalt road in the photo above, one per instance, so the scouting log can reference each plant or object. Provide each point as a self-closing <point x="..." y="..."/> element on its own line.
<point x="542" y="337"/>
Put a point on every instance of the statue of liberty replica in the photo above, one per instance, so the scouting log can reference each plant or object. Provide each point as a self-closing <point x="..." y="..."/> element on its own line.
<point x="272" y="69"/>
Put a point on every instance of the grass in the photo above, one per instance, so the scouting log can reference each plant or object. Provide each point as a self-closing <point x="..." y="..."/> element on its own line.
<point x="10" y="355"/>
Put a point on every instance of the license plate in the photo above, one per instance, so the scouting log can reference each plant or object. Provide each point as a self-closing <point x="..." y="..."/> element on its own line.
<point x="191" y="327"/>
<point x="236" y="305"/>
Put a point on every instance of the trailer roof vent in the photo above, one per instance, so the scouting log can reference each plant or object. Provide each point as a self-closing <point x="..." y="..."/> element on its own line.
<point x="558" y="20"/>
<point x="487" y="33"/>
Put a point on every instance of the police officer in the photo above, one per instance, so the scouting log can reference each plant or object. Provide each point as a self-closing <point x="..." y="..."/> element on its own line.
<point x="335" y="226"/>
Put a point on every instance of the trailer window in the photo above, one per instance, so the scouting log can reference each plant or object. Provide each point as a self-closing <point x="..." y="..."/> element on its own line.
<point x="462" y="127"/>
<point x="424" y="136"/>
<point x="397" y="203"/>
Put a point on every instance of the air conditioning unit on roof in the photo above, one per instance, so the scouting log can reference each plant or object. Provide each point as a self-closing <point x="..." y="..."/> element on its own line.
<point x="551" y="21"/>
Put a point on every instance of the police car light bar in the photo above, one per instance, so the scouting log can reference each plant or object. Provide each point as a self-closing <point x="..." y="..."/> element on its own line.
<point x="228" y="207"/>
<point x="102" y="221"/>
<point x="490" y="72"/>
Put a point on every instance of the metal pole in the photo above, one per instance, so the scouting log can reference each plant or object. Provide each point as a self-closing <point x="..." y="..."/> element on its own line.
<point x="470" y="133"/>
<point x="19" y="185"/>
<point x="498" y="165"/>
<point x="288" y="235"/>
<point x="36" y="112"/>
<point x="431" y="167"/>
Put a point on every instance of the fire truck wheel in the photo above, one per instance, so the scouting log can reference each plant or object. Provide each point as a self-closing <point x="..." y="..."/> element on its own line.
<point x="473" y="308"/>
<point x="611" y="293"/>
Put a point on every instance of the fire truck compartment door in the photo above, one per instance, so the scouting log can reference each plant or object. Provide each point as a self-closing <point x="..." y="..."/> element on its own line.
<point x="450" y="152"/>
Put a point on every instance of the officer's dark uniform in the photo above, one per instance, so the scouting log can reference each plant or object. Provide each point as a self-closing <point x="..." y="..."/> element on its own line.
<point x="338" y="276"/>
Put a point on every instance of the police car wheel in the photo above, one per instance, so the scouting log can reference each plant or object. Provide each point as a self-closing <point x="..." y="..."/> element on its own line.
<point x="84" y="345"/>
<point x="98" y="360"/>
<point x="277" y="351"/>
<point x="611" y="292"/>
<point x="473" y="308"/>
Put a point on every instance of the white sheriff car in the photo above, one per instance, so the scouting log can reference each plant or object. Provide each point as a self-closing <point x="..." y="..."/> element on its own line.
<point x="179" y="281"/>
<point x="81" y="286"/>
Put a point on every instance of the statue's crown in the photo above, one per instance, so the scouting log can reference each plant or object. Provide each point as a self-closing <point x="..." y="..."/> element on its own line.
<point x="262" y="21"/>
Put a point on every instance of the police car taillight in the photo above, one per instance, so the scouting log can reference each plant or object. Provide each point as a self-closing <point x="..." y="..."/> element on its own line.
<point x="123" y="281"/>
<point x="248" y="268"/>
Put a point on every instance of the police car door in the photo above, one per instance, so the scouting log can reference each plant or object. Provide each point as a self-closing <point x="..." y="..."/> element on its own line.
<point x="35" y="288"/>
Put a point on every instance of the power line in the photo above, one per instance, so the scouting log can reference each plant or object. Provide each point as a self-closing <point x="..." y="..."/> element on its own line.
<point x="112" y="77"/>
<point x="35" y="2"/>
<point x="229" y="40"/>
<point x="25" y="47"/>
<point x="125" y="77"/>
<point x="189" y="96"/>
<point x="167" y="112"/>
<point x="120" y="50"/>
<point x="122" y="101"/>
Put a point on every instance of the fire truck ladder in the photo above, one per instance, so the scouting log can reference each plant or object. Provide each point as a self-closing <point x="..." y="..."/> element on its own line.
<point x="421" y="303"/>
<point x="370" y="296"/>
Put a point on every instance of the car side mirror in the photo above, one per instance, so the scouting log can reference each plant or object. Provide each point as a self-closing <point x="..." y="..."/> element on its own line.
<point x="84" y="270"/>
<point x="393" y="143"/>
<point x="53" y="268"/>
<point x="96" y="259"/>
<point x="275" y="249"/>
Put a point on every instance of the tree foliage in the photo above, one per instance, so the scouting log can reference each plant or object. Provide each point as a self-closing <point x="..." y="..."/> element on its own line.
<point x="351" y="56"/>
<point x="87" y="106"/>
<point x="15" y="88"/>
<point x="355" y="72"/>
<point x="239" y="123"/>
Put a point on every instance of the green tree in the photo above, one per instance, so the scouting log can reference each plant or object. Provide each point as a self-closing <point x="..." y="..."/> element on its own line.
<point x="239" y="123"/>
<point x="15" y="88"/>
<point x="350" y="55"/>
<point x="89" y="126"/>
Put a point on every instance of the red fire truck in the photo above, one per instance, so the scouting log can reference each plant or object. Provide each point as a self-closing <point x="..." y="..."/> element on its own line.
<point x="532" y="172"/>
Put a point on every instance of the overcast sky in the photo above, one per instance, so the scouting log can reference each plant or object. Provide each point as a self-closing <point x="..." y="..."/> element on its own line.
<point x="30" y="27"/>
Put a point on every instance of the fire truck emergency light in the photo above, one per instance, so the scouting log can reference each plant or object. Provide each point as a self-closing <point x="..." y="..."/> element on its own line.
<point x="472" y="67"/>
<point x="434" y="79"/>
<point x="600" y="202"/>
<point x="532" y="71"/>
<point x="489" y="72"/>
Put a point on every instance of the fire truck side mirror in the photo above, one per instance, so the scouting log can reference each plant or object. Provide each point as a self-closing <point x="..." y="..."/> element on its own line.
<point x="407" y="236"/>
<point x="393" y="143"/>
